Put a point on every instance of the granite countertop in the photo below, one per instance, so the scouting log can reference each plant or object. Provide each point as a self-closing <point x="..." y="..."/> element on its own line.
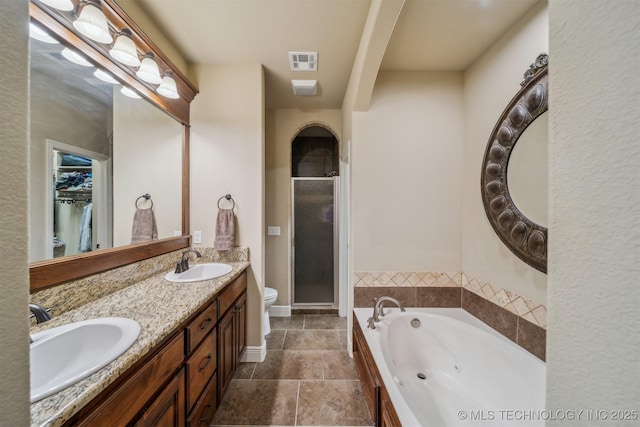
<point x="159" y="306"/>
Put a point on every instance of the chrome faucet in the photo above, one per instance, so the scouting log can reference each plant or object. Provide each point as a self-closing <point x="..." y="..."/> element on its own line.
<point x="183" y="264"/>
<point x="378" y="310"/>
<point x="39" y="313"/>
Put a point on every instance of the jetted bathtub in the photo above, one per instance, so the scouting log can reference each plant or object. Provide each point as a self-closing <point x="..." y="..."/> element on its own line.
<point x="443" y="367"/>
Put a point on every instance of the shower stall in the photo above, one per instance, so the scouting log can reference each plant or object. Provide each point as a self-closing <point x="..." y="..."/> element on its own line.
<point x="315" y="240"/>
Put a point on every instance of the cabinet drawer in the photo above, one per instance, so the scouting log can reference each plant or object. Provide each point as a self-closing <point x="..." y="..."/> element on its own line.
<point x="205" y="409"/>
<point x="121" y="406"/>
<point x="201" y="367"/>
<point x="234" y="290"/>
<point x="201" y="326"/>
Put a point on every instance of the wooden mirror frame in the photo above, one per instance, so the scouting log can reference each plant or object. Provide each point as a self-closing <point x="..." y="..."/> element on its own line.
<point x="55" y="271"/>
<point x="523" y="237"/>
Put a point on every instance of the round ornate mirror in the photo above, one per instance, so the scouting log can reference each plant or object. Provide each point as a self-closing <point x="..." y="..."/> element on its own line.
<point x="524" y="237"/>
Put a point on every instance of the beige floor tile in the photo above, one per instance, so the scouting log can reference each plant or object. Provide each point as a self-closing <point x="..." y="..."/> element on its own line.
<point x="275" y="340"/>
<point x="324" y="321"/>
<point x="244" y="371"/>
<point x="315" y="339"/>
<point x="290" y="365"/>
<point x="337" y="365"/>
<point x="332" y="403"/>
<point x="342" y="336"/>
<point x="258" y="402"/>
<point x="296" y="321"/>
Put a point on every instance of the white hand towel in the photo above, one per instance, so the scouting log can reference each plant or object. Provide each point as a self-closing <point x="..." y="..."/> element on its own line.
<point x="225" y="230"/>
<point x="144" y="226"/>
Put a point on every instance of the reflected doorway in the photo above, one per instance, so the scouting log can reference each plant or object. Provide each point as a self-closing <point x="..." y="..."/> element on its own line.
<point x="78" y="195"/>
<point x="315" y="184"/>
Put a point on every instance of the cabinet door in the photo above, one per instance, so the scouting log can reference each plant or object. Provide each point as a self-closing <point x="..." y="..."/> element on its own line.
<point x="168" y="409"/>
<point x="226" y="352"/>
<point x="241" y="330"/>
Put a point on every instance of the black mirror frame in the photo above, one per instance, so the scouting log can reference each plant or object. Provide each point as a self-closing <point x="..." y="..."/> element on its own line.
<point x="526" y="239"/>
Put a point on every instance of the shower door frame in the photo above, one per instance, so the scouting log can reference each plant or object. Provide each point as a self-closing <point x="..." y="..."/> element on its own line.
<point x="336" y="242"/>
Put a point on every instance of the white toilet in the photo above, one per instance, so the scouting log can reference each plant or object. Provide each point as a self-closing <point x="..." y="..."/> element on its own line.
<point x="270" y="296"/>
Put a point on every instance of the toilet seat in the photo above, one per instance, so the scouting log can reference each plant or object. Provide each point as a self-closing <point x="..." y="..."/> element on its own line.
<point x="270" y="294"/>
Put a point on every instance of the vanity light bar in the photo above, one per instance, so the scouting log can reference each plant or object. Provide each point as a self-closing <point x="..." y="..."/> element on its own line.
<point x="91" y="22"/>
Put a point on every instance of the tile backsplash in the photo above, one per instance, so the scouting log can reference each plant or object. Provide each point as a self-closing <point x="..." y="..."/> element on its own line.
<point x="520" y="319"/>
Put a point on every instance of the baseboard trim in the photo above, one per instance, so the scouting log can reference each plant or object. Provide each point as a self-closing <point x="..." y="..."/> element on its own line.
<point x="280" y="311"/>
<point x="255" y="353"/>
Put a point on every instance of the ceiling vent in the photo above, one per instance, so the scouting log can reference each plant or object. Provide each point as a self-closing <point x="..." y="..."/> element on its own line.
<point x="305" y="87"/>
<point x="303" y="61"/>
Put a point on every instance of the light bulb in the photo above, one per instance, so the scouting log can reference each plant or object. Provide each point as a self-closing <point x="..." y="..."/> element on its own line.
<point x="124" y="49"/>
<point x="65" y="5"/>
<point x="168" y="87"/>
<point x="35" y="32"/>
<point x="129" y="92"/>
<point x="75" y="57"/>
<point x="93" y="24"/>
<point x="148" y="70"/>
<point x="105" y="77"/>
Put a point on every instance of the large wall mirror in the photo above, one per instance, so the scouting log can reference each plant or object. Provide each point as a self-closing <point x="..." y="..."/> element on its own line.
<point x="514" y="170"/>
<point x="103" y="145"/>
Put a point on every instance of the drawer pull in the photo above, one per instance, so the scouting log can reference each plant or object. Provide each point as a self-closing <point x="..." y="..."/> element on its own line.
<point x="204" y="417"/>
<point x="206" y="363"/>
<point x="205" y="324"/>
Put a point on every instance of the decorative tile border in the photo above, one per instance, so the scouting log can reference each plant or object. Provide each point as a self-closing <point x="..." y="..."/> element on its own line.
<point x="377" y="279"/>
<point x="525" y="308"/>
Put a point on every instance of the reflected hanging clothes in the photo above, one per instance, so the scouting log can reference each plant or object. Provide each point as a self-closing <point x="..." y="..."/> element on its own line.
<point x="85" y="229"/>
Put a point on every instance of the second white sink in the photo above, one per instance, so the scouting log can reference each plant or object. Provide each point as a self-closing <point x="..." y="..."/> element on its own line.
<point x="199" y="272"/>
<point x="62" y="356"/>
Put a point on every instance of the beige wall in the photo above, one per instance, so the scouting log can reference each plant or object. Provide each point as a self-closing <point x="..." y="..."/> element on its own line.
<point x="406" y="174"/>
<point x="227" y="156"/>
<point x="281" y="127"/>
<point x="14" y="279"/>
<point x="147" y="158"/>
<point x="594" y="161"/>
<point x="489" y="85"/>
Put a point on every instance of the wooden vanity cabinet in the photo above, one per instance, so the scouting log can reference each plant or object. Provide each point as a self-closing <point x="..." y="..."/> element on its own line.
<point x="181" y="382"/>
<point x="380" y="406"/>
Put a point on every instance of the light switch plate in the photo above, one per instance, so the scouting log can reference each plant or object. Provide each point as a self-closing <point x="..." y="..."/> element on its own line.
<point x="273" y="231"/>
<point x="197" y="236"/>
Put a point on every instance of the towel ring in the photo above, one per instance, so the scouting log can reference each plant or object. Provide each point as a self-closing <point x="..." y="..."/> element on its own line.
<point x="228" y="197"/>
<point x="146" y="196"/>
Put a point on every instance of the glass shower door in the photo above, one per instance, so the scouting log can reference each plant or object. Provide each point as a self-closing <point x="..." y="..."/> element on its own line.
<point x="314" y="240"/>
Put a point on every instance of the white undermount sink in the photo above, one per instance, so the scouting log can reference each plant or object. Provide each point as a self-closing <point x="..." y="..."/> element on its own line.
<point x="198" y="272"/>
<point x="64" y="355"/>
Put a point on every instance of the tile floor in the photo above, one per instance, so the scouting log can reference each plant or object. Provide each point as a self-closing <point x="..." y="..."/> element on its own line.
<point x="307" y="379"/>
